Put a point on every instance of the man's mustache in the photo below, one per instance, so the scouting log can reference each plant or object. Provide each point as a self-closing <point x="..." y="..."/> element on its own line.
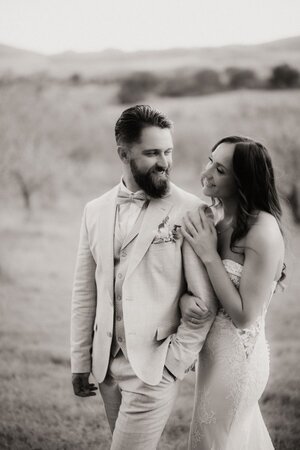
<point x="158" y="168"/>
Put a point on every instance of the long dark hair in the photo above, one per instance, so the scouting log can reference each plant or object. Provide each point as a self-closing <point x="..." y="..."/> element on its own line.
<point x="254" y="177"/>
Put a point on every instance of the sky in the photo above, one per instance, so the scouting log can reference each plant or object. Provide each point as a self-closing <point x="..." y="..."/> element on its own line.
<point x="54" y="26"/>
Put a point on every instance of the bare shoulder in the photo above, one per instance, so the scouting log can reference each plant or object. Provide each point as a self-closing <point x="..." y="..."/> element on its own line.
<point x="265" y="235"/>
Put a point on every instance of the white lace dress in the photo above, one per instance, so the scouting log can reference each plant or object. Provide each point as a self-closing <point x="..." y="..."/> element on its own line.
<point x="233" y="371"/>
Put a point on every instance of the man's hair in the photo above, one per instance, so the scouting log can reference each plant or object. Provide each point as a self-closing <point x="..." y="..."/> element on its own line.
<point x="133" y="120"/>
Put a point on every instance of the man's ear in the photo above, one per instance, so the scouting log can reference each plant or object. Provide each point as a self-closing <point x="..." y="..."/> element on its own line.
<point x="123" y="153"/>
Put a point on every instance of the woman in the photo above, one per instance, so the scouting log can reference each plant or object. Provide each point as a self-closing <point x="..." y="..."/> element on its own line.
<point x="243" y="255"/>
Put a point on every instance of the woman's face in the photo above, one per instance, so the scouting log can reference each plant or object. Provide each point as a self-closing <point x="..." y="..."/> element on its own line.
<point x="217" y="178"/>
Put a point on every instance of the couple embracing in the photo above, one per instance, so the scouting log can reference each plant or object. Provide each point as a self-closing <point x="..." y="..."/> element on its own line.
<point x="162" y="280"/>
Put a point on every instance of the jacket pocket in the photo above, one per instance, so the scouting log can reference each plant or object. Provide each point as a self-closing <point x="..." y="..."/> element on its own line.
<point x="165" y="330"/>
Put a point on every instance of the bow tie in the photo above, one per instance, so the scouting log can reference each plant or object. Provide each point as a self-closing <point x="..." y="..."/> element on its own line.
<point x="125" y="197"/>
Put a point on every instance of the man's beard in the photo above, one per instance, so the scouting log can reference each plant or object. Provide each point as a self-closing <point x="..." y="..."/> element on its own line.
<point x="149" y="182"/>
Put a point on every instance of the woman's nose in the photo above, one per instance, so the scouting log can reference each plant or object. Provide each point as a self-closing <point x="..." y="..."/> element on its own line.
<point x="207" y="173"/>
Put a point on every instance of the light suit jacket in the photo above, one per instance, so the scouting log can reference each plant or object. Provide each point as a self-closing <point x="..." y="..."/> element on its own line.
<point x="157" y="276"/>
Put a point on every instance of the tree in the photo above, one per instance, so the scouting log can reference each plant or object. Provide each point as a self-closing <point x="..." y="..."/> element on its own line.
<point x="207" y="81"/>
<point x="30" y="167"/>
<point x="201" y="82"/>
<point x="136" y="87"/>
<point x="242" y="78"/>
<point x="284" y="77"/>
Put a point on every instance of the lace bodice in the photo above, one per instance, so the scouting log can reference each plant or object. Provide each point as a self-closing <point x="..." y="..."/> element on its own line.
<point x="234" y="270"/>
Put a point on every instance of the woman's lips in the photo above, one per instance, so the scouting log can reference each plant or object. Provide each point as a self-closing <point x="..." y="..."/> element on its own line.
<point x="209" y="185"/>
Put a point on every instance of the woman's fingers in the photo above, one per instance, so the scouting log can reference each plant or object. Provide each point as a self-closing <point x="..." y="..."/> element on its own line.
<point x="189" y="227"/>
<point x="203" y="219"/>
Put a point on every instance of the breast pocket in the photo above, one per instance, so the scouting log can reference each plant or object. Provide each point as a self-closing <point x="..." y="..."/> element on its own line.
<point x="166" y="258"/>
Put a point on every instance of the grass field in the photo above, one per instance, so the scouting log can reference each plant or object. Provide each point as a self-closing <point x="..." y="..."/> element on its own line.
<point x="72" y="141"/>
<point x="38" y="409"/>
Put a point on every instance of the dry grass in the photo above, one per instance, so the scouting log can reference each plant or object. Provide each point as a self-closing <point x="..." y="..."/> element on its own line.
<point x="72" y="132"/>
<point x="38" y="409"/>
<point x="62" y="136"/>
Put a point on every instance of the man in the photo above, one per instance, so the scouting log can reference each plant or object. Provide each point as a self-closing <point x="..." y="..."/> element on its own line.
<point x="128" y="281"/>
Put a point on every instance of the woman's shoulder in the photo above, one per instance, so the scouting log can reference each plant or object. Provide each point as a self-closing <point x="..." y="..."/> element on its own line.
<point x="264" y="233"/>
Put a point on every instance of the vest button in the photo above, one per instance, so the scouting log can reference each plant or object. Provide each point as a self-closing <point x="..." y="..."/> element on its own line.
<point x="123" y="254"/>
<point x="119" y="297"/>
<point x="119" y="318"/>
<point x="120" y="275"/>
<point x="120" y="339"/>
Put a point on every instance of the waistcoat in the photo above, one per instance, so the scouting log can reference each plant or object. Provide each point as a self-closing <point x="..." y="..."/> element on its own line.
<point x="122" y="252"/>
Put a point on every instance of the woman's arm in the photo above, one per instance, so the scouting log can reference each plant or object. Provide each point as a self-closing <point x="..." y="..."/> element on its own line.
<point x="263" y="245"/>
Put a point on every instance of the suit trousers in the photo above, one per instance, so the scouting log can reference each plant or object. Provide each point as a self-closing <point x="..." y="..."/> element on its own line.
<point x="137" y="412"/>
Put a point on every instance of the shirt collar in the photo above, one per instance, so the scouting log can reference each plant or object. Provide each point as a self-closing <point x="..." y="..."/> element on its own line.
<point x="123" y="188"/>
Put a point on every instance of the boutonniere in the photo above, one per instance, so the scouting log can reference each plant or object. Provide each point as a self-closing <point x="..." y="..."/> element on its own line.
<point x="166" y="233"/>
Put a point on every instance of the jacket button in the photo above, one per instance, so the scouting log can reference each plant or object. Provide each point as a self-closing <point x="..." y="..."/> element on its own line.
<point x="109" y="334"/>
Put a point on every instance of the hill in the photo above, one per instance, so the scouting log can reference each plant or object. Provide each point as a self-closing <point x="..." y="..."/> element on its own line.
<point x="116" y="63"/>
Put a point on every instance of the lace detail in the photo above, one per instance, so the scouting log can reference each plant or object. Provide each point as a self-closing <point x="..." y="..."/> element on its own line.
<point x="234" y="270"/>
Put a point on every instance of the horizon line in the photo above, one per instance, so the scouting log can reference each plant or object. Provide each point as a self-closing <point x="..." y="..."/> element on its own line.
<point x="144" y="50"/>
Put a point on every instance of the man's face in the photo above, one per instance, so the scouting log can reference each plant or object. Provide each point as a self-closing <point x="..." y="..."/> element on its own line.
<point x="151" y="160"/>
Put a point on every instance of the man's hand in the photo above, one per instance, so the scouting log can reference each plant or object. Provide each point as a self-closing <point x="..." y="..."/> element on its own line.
<point x="81" y="385"/>
<point x="193" y="310"/>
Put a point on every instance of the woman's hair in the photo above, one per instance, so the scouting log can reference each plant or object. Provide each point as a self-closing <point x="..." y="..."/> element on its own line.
<point x="254" y="177"/>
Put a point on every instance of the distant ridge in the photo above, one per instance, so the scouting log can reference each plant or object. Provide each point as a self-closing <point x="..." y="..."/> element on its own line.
<point x="115" y="63"/>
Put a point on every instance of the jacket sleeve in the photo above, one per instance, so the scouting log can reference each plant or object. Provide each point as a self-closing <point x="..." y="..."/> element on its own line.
<point x="188" y="341"/>
<point x="84" y="300"/>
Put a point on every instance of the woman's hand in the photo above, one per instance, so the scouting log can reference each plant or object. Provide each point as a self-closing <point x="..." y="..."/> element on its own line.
<point x="193" y="310"/>
<point x="201" y="234"/>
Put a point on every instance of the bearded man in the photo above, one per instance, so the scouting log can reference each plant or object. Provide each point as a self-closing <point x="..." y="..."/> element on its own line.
<point x="131" y="272"/>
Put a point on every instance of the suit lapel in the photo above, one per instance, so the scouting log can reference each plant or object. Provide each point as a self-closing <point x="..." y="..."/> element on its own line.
<point x="157" y="210"/>
<point x="106" y="227"/>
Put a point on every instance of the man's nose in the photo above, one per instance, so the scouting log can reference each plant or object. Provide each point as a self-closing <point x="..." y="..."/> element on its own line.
<point x="162" y="161"/>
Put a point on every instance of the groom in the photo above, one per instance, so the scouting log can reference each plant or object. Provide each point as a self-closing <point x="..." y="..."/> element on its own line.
<point x="129" y="277"/>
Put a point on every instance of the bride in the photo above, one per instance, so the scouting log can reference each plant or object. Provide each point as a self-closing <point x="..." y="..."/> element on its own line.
<point x="243" y="256"/>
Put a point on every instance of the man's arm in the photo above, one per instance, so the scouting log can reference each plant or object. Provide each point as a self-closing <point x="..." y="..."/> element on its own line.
<point x="83" y="308"/>
<point x="187" y="342"/>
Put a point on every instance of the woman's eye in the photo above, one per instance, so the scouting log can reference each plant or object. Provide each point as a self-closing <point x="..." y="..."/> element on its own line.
<point x="220" y="171"/>
<point x="210" y="160"/>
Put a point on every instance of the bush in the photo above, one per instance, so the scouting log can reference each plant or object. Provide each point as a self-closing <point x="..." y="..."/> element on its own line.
<point x="284" y="76"/>
<point x="206" y="81"/>
<point x="136" y="87"/>
<point x="242" y="78"/>
<point x="75" y="78"/>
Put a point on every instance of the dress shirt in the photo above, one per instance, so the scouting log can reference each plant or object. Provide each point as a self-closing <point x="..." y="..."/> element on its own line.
<point x="127" y="214"/>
